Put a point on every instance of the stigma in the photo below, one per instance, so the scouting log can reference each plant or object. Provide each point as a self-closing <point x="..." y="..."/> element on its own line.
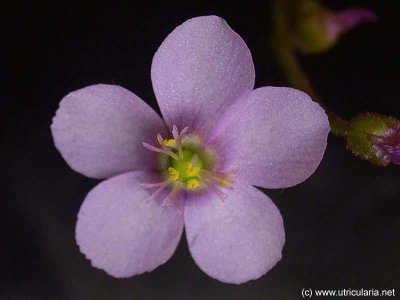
<point x="186" y="165"/>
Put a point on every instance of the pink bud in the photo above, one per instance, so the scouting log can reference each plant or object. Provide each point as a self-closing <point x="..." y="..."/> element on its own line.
<point x="318" y="28"/>
<point x="387" y="146"/>
<point x="340" y="22"/>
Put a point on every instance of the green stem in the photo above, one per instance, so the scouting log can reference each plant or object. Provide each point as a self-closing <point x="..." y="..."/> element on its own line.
<point x="283" y="46"/>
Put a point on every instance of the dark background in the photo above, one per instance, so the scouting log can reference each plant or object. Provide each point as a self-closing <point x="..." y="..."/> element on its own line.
<point x="342" y="225"/>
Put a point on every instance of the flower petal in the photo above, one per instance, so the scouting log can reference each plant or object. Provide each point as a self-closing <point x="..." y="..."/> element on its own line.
<point x="99" y="130"/>
<point x="199" y="70"/>
<point x="237" y="240"/>
<point x="276" y="137"/>
<point x="122" y="233"/>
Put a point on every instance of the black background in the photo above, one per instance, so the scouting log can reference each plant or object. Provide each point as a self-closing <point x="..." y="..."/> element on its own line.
<point x="342" y="225"/>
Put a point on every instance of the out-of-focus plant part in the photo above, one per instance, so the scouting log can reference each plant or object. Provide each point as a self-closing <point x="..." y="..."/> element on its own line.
<point x="317" y="28"/>
<point x="309" y="27"/>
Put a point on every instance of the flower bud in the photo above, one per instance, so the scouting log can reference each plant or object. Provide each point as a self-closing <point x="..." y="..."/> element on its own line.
<point x="387" y="146"/>
<point x="318" y="28"/>
<point x="375" y="138"/>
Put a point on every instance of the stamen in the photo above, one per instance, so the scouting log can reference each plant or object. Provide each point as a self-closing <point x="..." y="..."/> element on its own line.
<point x="178" y="138"/>
<point x="173" y="173"/>
<point x="169" y="142"/>
<point x="224" y="182"/>
<point x="192" y="171"/>
<point x="164" y="143"/>
<point x="220" y="194"/>
<point x="193" y="183"/>
<point x="179" y="204"/>
<point x="184" y="130"/>
<point x="162" y="186"/>
<point x="153" y="185"/>
<point x="220" y="178"/>
<point x="219" y="174"/>
<point x="161" y="141"/>
<point x="175" y="132"/>
<point x="165" y="151"/>
<point x="172" y="195"/>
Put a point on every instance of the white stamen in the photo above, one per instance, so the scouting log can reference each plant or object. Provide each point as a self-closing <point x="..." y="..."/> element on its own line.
<point x="221" y="175"/>
<point x="222" y="179"/>
<point x="220" y="194"/>
<point x="175" y="132"/>
<point x="184" y="130"/>
<point x="153" y="185"/>
<point x="178" y="137"/>
<point x="158" y="191"/>
<point x="160" y="141"/>
<point x="172" y="195"/>
<point x="165" y="151"/>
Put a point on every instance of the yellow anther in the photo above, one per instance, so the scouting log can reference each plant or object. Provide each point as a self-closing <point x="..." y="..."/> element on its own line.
<point x="192" y="171"/>
<point x="192" y="183"/>
<point x="169" y="142"/>
<point x="173" y="174"/>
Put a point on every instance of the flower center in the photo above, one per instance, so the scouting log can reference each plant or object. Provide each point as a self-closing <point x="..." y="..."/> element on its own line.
<point x="186" y="165"/>
<point x="186" y="169"/>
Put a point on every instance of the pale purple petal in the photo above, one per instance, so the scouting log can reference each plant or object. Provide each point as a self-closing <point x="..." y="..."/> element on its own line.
<point x="237" y="240"/>
<point x="274" y="137"/>
<point x="199" y="70"/>
<point x="122" y="233"/>
<point x="99" y="131"/>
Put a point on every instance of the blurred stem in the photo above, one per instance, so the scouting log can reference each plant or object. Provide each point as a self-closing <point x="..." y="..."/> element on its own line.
<point x="283" y="43"/>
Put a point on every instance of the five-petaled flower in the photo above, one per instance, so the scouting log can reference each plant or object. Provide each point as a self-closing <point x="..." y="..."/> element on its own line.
<point x="225" y="138"/>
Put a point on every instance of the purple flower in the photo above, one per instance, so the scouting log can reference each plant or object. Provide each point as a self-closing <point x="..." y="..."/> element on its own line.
<point x="387" y="146"/>
<point x="225" y="138"/>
